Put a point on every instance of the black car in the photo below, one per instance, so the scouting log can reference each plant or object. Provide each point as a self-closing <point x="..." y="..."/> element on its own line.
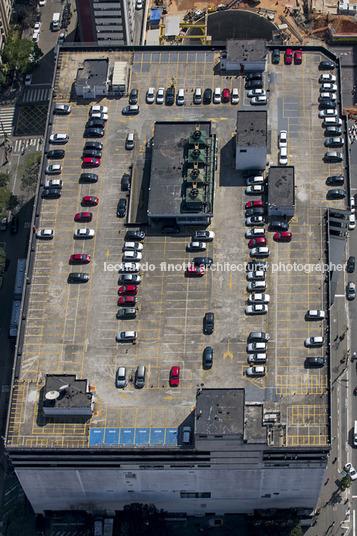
<point x="279" y="226"/>
<point x="207" y="358"/>
<point x="88" y="177"/>
<point x="327" y="104"/>
<point x="96" y="145"/>
<point x="93" y="133"/>
<point x="336" y="179"/>
<point x="125" y="182"/>
<point x="94" y="153"/>
<point x="51" y="193"/>
<point x="254" y="76"/>
<point x="314" y="362"/>
<point x="95" y="123"/>
<point x="254" y="211"/>
<point x="275" y="57"/>
<point x="202" y="261"/>
<point x="207" y="96"/>
<point x="254" y="84"/>
<point x="326" y="65"/>
<point x="56" y="154"/>
<point x="129" y="279"/>
<point x="170" y="96"/>
<point x="78" y="277"/>
<point x="333" y="131"/>
<point x="14" y="225"/>
<point x="208" y="323"/>
<point x="351" y="263"/>
<point x="253" y="266"/>
<point x="134" y="235"/>
<point x="336" y="193"/>
<point x="132" y="109"/>
<point x="126" y="313"/>
<point x="121" y="210"/>
<point x="338" y="215"/>
<point x="133" y="97"/>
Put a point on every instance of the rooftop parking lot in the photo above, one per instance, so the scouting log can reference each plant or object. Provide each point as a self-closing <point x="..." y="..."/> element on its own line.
<point x="71" y="328"/>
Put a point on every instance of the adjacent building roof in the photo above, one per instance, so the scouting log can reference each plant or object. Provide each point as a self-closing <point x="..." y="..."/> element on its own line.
<point x="93" y="73"/>
<point x="220" y="411"/>
<point x="281" y="186"/>
<point x="240" y="50"/>
<point x="252" y="129"/>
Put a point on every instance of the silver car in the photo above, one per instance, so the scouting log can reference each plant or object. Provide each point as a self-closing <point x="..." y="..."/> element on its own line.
<point x="120" y="380"/>
<point x="256" y="371"/>
<point x="126" y="336"/>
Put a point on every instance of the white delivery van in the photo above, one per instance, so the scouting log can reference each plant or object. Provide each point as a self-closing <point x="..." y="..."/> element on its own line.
<point x="56" y="22"/>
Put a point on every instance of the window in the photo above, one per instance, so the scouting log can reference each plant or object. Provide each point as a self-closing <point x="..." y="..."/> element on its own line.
<point x="195" y="495"/>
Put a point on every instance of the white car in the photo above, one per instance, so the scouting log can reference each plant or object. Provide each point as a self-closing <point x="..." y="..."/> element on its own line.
<point x="132" y="256"/>
<point x="255" y="232"/>
<point x="254" y="286"/>
<point x="160" y="95"/>
<point x="262" y="251"/>
<point x="217" y="95"/>
<point x="330" y="112"/>
<point x="283" y="139"/>
<point x="258" y="179"/>
<point x="327" y="95"/>
<point x="133" y="246"/>
<point x="28" y="79"/>
<point x="130" y="267"/>
<point x="352" y="222"/>
<point x="150" y="95"/>
<point x="235" y="96"/>
<point x="256" y="309"/>
<point x="313" y="314"/>
<point x="255" y="371"/>
<point x="257" y="358"/>
<point x="53" y="169"/>
<point x="283" y="156"/>
<point x="352" y="205"/>
<point x="35" y="37"/>
<point x="37" y="26"/>
<point x="203" y="236"/>
<point x="126" y="336"/>
<point x="351" y="471"/>
<point x="254" y="220"/>
<point x="84" y="233"/>
<point x="45" y="234"/>
<point x="256" y="275"/>
<point x="98" y="115"/>
<point x="256" y="347"/>
<point x="42" y="3"/>
<point x="197" y="246"/>
<point x="328" y="87"/>
<point x="100" y="109"/>
<point x="259" y="100"/>
<point x="314" y="342"/>
<point x="139" y="4"/>
<point x="256" y="93"/>
<point x="59" y="138"/>
<point x="53" y="183"/>
<point x="259" y="298"/>
<point x="327" y="78"/>
<point x="254" y="189"/>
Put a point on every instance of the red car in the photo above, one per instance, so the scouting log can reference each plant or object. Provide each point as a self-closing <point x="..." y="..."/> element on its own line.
<point x="90" y="201"/>
<point x="91" y="162"/>
<point x="283" y="236"/>
<point x="79" y="258"/>
<point x="257" y="242"/>
<point x="226" y="97"/>
<point x="174" y="376"/>
<point x="288" y="58"/>
<point x="298" y="57"/>
<point x="128" y="289"/>
<point x="83" y="216"/>
<point x="195" y="271"/>
<point x="127" y="300"/>
<point x="252" y="204"/>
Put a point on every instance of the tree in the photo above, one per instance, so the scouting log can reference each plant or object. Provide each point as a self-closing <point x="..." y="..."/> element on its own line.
<point x="4" y="178"/>
<point x="18" y="54"/>
<point x="29" y="171"/>
<point x="345" y="482"/>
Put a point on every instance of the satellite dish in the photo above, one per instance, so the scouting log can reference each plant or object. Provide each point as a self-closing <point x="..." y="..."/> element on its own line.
<point x="52" y="395"/>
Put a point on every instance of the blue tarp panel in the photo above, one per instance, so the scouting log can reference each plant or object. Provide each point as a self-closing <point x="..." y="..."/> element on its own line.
<point x="96" y="437"/>
<point x="127" y="436"/>
<point x="155" y="16"/>
<point x="171" y="436"/>
<point x="157" y="436"/>
<point x="142" y="436"/>
<point x="111" y="436"/>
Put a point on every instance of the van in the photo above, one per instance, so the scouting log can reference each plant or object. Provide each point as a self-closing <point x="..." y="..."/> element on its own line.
<point x="355" y="435"/>
<point x="332" y="122"/>
<point x="140" y="377"/>
<point x="56" y="22"/>
<point x="129" y="143"/>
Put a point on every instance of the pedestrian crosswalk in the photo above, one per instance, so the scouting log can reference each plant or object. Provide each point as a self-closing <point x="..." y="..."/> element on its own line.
<point x="35" y="95"/>
<point x="6" y="119"/>
<point x="28" y="143"/>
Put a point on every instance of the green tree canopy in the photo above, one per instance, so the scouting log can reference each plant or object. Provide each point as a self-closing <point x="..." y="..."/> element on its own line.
<point x="20" y="54"/>
<point x="29" y="170"/>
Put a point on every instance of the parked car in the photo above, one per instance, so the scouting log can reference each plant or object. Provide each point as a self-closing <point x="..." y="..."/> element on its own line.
<point x="288" y="56"/>
<point x="254" y="220"/>
<point x="130" y="142"/>
<point x="256" y="286"/>
<point x="208" y="323"/>
<point x="262" y="100"/>
<point x="336" y="193"/>
<point x="130" y="267"/>
<point x="91" y="162"/>
<point x="258" y="336"/>
<point x="350" y="470"/>
<point x="260" y="252"/>
<point x="53" y="183"/>
<point x="335" y="179"/>
<point x="180" y="97"/>
<point x="135" y="235"/>
<point x="283" y="139"/>
<point x="217" y="95"/>
<point x="128" y="290"/>
<point x="92" y="153"/>
<point x="275" y="56"/>
<point x="53" y="169"/>
<point x="254" y="84"/>
<point x="326" y="65"/>
<point x="133" y="96"/>
<point x="255" y="242"/>
<point x="170" y="96"/>
<point x="256" y="275"/>
<point x="93" y="133"/>
<point x="90" y="201"/>
<point x="328" y="87"/>
<point x="333" y="131"/>
<point x="315" y="314"/>
<point x="95" y="123"/>
<point x="282" y="236"/>
<point x="260" y="359"/>
<point x="129" y="279"/>
<point x="133" y="246"/>
<point x="277" y="225"/>
<point x="255" y="232"/>
<point x="84" y="233"/>
<point x="334" y="142"/>
<point x="88" y="177"/>
<point x="283" y="156"/>
<point x="129" y="301"/>
<point x="195" y="271"/>
<point x="256" y="93"/>
<point x="351" y="222"/>
<point x="125" y="182"/>
<point x="235" y="96"/>
<point x="140" y="377"/>
<point x="254" y="189"/>
<point x="101" y="117"/>
<point x="120" y="379"/>
<point x="56" y="154"/>
<point x="351" y="291"/>
<point x="226" y="95"/>
<point x="330" y="112"/>
<point x="78" y="277"/>
<point x="314" y="342"/>
<point x="126" y="313"/>
<point x="97" y="108"/>
<point x="256" y="309"/>
<point x="254" y="179"/>
<point x="150" y="95"/>
<point x="254" y="211"/>
<point x="196" y="246"/>
<point x="45" y="234"/>
<point x="132" y="256"/>
<point x="202" y="261"/>
<point x="298" y="57"/>
<point x="258" y="298"/>
<point x="59" y="138"/>
<point x="79" y="258"/>
<point x="203" y="236"/>
<point x="62" y="109"/>
<point x="327" y="78"/>
<point x="207" y="357"/>
<point x="327" y="104"/>
<point x="207" y="96"/>
<point x="256" y="347"/>
<point x="160" y="95"/>
<point x="256" y="371"/>
<point x="351" y="262"/>
<point x="132" y="109"/>
<point x="174" y="376"/>
<point x="255" y="203"/>
<point x="126" y="336"/>
<point x="51" y="193"/>
<point x="314" y="362"/>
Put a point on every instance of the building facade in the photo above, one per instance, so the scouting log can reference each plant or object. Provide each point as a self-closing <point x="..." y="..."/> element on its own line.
<point x="5" y="15"/>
